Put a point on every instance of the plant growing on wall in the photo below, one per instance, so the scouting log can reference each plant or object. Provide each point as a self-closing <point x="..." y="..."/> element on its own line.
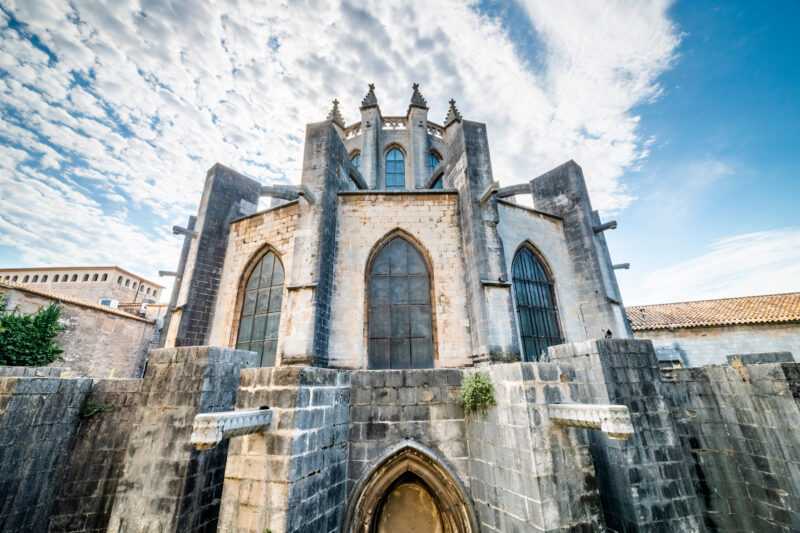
<point x="29" y="339"/>
<point x="477" y="393"/>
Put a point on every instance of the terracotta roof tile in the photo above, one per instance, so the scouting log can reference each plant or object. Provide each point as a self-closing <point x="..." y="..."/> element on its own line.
<point x="770" y="308"/>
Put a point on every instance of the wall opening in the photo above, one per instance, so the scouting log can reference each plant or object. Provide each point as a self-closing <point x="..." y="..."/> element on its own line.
<point x="410" y="490"/>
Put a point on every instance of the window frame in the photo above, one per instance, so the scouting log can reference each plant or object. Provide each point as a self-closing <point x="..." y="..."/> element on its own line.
<point x="241" y="293"/>
<point x="548" y="272"/>
<point x="379" y="246"/>
<point x="389" y="150"/>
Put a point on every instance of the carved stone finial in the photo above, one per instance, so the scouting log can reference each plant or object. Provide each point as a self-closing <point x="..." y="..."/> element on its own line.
<point x="370" y="100"/>
<point x="417" y="100"/>
<point x="335" y="115"/>
<point x="453" y="114"/>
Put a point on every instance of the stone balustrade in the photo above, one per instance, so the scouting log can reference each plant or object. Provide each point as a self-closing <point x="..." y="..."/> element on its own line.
<point x="212" y="428"/>
<point x="614" y="420"/>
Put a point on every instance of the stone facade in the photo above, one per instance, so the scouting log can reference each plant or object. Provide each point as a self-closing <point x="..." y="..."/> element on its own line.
<point x="97" y="341"/>
<point x="429" y="218"/>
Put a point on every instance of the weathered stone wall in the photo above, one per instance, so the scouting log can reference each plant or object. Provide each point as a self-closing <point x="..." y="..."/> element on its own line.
<point x="645" y="481"/>
<point x="741" y="426"/>
<point x="38" y="418"/>
<point x="167" y="485"/>
<point x="97" y="342"/>
<point x="526" y="474"/>
<point x="293" y="477"/>
<point x="390" y="406"/>
<point x="519" y="225"/>
<point x="92" y="475"/>
<point x="275" y="229"/>
<point x="710" y="346"/>
<point x="432" y="220"/>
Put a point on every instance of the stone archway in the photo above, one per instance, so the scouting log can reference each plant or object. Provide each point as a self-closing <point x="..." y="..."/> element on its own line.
<point x="410" y="483"/>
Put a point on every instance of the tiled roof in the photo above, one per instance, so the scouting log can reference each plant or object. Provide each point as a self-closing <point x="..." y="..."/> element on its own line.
<point x="769" y="308"/>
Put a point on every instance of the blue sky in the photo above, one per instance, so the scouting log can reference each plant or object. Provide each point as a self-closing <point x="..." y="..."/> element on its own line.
<point x="684" y="117"/>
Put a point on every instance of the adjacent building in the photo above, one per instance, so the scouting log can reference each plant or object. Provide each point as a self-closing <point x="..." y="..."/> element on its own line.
<point x="708" y="331"/>
<point x="104" y="285"/>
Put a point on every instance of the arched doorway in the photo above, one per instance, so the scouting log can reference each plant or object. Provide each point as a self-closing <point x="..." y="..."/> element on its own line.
<point x="408" y="507"/>
<point x="410" y="491"/>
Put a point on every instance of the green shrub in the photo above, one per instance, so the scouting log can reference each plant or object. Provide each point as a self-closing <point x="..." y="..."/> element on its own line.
<point x="29" y="340"/>
<point x="477" y="393"/>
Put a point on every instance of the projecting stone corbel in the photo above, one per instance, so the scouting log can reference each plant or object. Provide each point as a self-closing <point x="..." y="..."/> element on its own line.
<point x="613" y="420"/>
<point x="178" y="230"/>
<point x="306" y="193"/>
<point x="621" y="266"/>
<point x="603" y="227"/>
<point x="490" y="190"/>
<point x="210" y="429"/>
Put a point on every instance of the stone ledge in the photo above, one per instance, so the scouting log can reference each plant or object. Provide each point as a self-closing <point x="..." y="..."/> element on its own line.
<point x="614" y="420"/>
<point x="212" y="428"/>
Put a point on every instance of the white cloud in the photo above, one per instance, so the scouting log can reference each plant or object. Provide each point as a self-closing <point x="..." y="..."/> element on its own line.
<point x="235" y="82"/>
<point x="761" y="262"/>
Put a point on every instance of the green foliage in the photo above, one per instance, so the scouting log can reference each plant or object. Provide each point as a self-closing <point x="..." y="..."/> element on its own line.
<point x="477" y="393"/>
<point x="91" y="408"/>
<point x="29" y="340"/>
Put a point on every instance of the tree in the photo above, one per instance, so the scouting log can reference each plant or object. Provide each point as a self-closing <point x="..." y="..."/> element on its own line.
<point x="29" y="339"/>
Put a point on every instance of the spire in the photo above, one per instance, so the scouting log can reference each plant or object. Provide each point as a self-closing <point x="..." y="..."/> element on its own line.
<point x="452" y="114"/>
<point x="335" y="115"/>
<point x="370" y="100"/>
<point x="417" y="100"/>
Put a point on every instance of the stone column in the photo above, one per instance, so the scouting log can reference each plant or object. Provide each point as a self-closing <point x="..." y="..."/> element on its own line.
<point x="418" y="149"/>
<point x="227" y="195"/>
<point x="491" y="311"/>
<point x="371" y="146"/>
<point x="310" y="282"/>
<point x="562" y="192"/>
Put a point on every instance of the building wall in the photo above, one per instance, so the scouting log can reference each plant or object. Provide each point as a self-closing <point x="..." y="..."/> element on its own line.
<point x="431" y="219"/>
<point x="711" y="346"/>
<point x="85" y="494"/>
<point x="38" y="420"/>
<point x="741" y="427"/>
<point x="84" y="286"/>
<point x="97" y="342"/>
<point x="518" y="225"/>
<point x="274" y="228"/>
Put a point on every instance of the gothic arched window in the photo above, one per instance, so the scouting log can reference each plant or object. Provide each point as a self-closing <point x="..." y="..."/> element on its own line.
<point x="400" y="322"/>
<point x="261" y="309"/>
<point x="433" y="161"/>
<point x="438" y="183"/>
<point x="537" y="313"/>
<point x="395" y="169"/>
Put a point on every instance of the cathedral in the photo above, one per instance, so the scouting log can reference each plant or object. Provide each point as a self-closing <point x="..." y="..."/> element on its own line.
<point x="397" y="250"/>
<point x="401" y="344"/>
